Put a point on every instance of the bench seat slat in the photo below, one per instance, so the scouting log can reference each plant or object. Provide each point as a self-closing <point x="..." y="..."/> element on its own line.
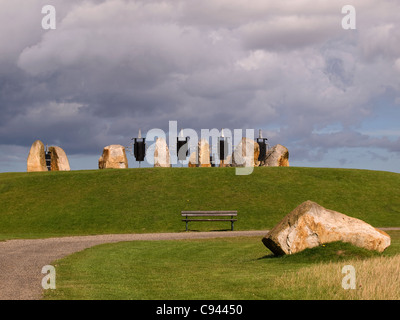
<point x="209" y="219"/>
<point x="209" y="214"/>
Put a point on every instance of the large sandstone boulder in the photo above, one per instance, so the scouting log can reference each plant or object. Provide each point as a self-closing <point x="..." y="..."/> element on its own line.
<point x="114" y="156"/>
<point x="59" y="160"/>
<point x="36" y="159"/>
<point x="277" y="156"/>
<point x="310" y="225"/>
<point x="246" y="153"/>
<point x="161" y="154"/>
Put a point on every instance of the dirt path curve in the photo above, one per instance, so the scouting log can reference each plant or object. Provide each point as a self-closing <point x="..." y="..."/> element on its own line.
<point x="21" y="261"/>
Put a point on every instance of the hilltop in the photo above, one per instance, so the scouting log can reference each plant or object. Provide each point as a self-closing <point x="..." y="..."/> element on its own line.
<point x="143" y="200"/>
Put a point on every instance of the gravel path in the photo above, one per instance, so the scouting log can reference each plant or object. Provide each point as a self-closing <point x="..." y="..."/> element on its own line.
<point x="21" y="261"/>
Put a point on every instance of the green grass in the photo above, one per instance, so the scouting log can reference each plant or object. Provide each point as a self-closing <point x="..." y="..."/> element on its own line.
<point x="37" y="205"/>
<point x="229" y="268"/>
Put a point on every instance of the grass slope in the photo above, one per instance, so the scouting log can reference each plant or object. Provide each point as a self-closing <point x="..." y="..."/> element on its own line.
<point x="150" y="199"/>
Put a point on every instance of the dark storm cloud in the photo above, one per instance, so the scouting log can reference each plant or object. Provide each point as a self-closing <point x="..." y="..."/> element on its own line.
<point x="112" y="67"/>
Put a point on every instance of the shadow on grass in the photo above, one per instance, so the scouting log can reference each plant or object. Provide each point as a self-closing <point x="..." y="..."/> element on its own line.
<point x="330" y="252"/>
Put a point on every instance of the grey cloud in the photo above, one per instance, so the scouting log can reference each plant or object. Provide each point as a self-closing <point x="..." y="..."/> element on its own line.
<point x="112" y="67"/>
<point x="289" y="32"/>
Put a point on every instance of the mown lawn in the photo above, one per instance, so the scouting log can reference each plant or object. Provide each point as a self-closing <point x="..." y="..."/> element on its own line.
<point x="45" y="204"/>
<point x="38" y="205"/>
<point x="230" y="268"/>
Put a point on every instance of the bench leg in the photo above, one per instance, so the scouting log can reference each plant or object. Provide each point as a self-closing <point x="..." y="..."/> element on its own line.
<point x="232" y="225"/>
<point x="186" y="225"/>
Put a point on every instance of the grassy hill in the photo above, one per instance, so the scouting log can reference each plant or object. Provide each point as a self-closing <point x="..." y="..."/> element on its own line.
<point x="150" y="199"/>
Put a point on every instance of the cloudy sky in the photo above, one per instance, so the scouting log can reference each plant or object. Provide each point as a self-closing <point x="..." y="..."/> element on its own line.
<point x="330" y="95"/>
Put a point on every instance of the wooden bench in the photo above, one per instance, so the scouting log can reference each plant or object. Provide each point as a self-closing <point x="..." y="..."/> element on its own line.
<point x="199" y="216"/>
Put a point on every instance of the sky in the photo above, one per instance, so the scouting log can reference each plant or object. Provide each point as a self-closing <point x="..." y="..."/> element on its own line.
<point x="111" y="67"/>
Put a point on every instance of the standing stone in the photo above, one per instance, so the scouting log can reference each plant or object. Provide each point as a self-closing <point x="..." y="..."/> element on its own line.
<point x="200" y="157"/>
<point x="204" y="153"/>
<point x="36" y="159"/>
<point x="114" y="157"/>
<point x="246" y="153"/>
<point x="224" y="163"/>
<point x="277" y="156"/>
<point x="59" y="160"/>
<point x="227" y="162"/>
<point x="193" y="160"/>
<point x="161" y="154"/>
<point x="310" y="225"/>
